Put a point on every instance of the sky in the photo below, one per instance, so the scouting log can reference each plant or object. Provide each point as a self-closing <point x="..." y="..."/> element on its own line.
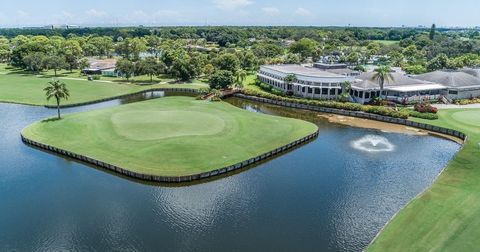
<point x="378" y="13"/>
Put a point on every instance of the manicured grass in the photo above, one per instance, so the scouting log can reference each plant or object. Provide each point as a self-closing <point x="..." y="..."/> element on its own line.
<point x="19" y="87"/>
<point x="387" y="42"/>
<point x="170" y="136"/>
<point x="447" y="216"/>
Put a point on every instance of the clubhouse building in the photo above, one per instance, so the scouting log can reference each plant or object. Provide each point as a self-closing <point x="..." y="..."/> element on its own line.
<point x="324" y="82"/>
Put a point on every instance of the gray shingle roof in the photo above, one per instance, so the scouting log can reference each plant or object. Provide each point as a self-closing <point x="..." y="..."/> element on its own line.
<point x="450" y="79"/>
<point x="366" y="82"/>
<point x="300" y="70"/>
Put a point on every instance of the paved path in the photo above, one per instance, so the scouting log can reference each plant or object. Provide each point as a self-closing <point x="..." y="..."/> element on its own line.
<point x="453" y="106"/>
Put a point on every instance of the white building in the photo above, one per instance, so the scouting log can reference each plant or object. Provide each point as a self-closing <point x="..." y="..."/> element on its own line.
<point x="310" y="82"/>
<point x="401" y="89"/>
<point x="460" y="85"/>
<point x="327" y="84"/>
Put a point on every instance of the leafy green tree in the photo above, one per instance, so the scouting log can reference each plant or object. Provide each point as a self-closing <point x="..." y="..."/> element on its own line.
<point x="249" y="61"/>
<point x="126" y="68"/>
<point x="34" y="61"/>
<point x="414" y="69"/>
<point x="130" y="48"/>
<point x="57" y="90"/>
<point x="4" y="49"/>
<point x="222" y="79"/>
<point x="182" y="69"/>
<point x="73" y="52"/>
<point x="83" y="63"/>
<point x="382" y="74"/>
<point x="305" y="47"/>
<point x="439" y="62"/>
<point x="55" y="62"/>
<point x="208" y="70"/>
<point x="103" y="45"/>
<point x="150" y="66"/>
<point x="228" y="62"/>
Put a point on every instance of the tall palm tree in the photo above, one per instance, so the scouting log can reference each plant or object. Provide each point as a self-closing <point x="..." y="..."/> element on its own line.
<point x="58" y="90"/>
<point x="241" y="76"/>
<point x="382" y="74"/>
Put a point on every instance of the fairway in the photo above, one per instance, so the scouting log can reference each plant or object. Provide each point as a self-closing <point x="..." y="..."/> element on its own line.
<point x="28" y="89"/>
<point x="172" y="136"/>
<point x="445" y="217"/>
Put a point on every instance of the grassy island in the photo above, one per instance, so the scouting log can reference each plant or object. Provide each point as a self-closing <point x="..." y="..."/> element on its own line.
<point x="172" y="136"/>
<point x="445" y="216"/>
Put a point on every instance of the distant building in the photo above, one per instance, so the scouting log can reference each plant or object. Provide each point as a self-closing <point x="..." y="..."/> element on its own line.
<point x="105" y="67"/>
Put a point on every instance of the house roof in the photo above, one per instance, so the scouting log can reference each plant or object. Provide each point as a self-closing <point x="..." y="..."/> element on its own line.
<point x="451" y="79"/>
<point x="301" y="70"/>
<point x="96" y="65"/>
<point x="366" y="81"/>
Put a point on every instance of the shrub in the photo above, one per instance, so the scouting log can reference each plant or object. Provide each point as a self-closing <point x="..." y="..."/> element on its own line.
<point x="424" y="107"/>
<point x="379" y="110"/>
<point x="428" y="116"/>
<point x="96" y="77"/>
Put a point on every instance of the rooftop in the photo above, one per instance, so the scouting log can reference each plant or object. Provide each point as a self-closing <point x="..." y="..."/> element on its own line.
<point x="366" y="81"/>
<point x="451" y="79"/>
<point x="301" y="70"/>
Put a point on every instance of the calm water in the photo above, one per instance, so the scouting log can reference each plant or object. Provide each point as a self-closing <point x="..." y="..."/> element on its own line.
<point x="324" y="196"/>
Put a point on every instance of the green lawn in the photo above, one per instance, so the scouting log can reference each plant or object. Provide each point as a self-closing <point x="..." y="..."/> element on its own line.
<point x="387" y="42"/>
<point x="17" y="86"/>
<point x="447" y="216"/>
<point x="170" y="136"/>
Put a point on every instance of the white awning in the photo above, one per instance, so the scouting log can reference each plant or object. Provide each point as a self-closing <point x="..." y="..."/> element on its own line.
<point x="420" y="87"/>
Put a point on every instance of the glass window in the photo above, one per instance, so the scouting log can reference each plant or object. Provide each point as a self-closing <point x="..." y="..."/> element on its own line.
<point x="317" y="90"/>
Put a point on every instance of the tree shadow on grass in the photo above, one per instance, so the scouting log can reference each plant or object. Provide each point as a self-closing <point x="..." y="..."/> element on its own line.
<point x="53" y="119"/>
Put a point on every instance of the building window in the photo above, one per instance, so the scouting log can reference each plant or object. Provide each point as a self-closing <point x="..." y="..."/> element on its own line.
<point x="324" y="91"/>
<point x="317" y="90"/>
<point x="360" y="94"/>
<point x="454" y="92"/>
<point x="309" y="90"/>
<point x="332" y="91"/>
<point x="356" y="93"/>
<point x="367" y="95"/>
<point x="303" y="89"/>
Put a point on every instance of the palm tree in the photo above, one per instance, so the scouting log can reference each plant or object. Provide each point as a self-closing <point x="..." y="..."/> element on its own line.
<point x="58" y="90"/>
<point x="241" y="76"/>
<point x="290" y="78"/>
<point x="382" y="74"/>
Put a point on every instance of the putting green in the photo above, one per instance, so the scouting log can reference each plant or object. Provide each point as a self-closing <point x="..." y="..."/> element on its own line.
<point x="154" y="125"/>
<point x="171" y="136"/>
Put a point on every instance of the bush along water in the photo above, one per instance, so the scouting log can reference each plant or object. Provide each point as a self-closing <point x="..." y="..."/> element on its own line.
<point x="385" y="111"/>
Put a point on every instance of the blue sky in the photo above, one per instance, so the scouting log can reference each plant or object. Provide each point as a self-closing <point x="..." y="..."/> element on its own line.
<point x="15" y="13"/>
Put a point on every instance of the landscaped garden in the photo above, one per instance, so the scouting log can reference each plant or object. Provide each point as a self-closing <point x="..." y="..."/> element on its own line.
<point x="172" y="136"/>
<point x="25" y="88"/>
<point x="445" y="216"/>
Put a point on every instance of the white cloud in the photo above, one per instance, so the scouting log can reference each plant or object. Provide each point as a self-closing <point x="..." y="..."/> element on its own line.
<point x="271" y="11"/>
<point x="96" y="13"/>
<point x="303" y="12"/>
<point x="231" y="5"/>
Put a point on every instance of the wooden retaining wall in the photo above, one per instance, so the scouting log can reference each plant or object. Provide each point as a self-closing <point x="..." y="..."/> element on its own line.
<point x="172" y="179"/>
<point x="358" y="114"/>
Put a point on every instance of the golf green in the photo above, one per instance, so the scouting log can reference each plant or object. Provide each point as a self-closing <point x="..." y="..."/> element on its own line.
<point x="172" y="136"/>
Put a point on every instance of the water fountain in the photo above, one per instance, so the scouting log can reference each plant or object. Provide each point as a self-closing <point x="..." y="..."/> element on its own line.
<point x="373" y="143"/>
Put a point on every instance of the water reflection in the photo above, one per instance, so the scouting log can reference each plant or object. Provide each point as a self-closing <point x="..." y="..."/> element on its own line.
<point x="322" y="196"/>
